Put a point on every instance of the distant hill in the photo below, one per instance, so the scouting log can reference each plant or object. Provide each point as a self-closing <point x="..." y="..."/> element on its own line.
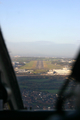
<point x="42" y="48"/>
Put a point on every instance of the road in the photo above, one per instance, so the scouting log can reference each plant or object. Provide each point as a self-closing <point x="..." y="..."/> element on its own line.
<point x="39" y="65"/>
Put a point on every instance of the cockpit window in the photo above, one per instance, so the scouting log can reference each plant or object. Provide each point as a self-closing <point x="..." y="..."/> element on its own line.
<point x="42" y="38"/>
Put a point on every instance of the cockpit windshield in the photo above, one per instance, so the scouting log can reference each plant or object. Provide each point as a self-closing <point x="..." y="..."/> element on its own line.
<point x="42" y="38"/>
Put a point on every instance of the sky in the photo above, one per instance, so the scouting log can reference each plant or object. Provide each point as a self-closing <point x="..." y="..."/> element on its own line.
<point x="56" y="21"/>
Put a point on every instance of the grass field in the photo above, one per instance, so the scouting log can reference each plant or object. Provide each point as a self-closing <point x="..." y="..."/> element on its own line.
<point x="42" y="84"/>
<point x="40" y="71"/>
<point x="38" y="80"/>
<point x="44" y="80"/>
<point x="30" y="65"/>
<point x="23" y="86"/>
<point x="45" y="64"/>
<point x="48" y="65"/>
<point x="51" y="91"/>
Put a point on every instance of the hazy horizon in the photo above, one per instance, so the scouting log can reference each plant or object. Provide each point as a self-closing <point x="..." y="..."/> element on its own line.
<point x="47" y="27"/>
<point x="42" y="49"/>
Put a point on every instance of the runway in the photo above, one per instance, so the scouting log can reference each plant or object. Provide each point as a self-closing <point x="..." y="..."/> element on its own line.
<point x="39" y="65"/>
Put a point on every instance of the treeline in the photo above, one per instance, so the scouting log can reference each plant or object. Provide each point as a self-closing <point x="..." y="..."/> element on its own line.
<point x="56" y="77"/>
